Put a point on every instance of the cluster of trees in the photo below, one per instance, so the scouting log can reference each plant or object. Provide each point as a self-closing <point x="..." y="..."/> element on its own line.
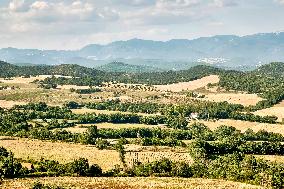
<point x="176" y="114"/>
<point x="155" y="141"/>
<point x="232" y="145"/>
<point x="235" y="167"/>
<point x="116" y="105"/>
<point x="86" y="91"/>
<point x="9" y="166"/>
<point x="267" y="81"/>
<point x="78" y="167"/>
<point x="120" y="118"/>
<point x="215" y="110"/>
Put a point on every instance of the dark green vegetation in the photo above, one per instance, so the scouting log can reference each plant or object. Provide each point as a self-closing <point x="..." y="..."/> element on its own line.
<point x="236" y="167"/>
<point x="267" y="81"/>
<point x="205" y="110"/>
<point x="127" y="68"/>
<point x="91" y="77"/>
<point x="156" y="78"/>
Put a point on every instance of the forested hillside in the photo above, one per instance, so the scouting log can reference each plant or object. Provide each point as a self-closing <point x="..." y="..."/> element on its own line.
<point x="96" y="76"/>
<point x="274" y="69"/>
<point x="267" y="81"/>
<point x="127" y="68"/>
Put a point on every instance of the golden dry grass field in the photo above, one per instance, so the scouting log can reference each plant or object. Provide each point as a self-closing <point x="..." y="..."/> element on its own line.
<point x="244" y="125"/>
<point x="192" y="85"/>
<point x="234" y="98"/>
<point x="10" y="104"/>
<point x="277" y="110"/>
<point x="127" y="183"/>
<point x="22" y="80"/>
<point x="67" y="152"/>
<point x="276" y="158"/>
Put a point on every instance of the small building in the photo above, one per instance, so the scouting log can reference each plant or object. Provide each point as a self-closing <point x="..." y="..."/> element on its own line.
<point x="194" y="116"/>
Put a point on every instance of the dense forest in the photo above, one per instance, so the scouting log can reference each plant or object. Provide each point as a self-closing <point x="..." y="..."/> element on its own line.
<point x="267" y="81"/>
<point x="89" y="76"/>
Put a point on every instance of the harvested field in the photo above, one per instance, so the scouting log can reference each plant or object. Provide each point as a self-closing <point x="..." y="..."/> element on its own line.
<point x="126" y="125"/>
<point x="67" y="152"/>
<point x="86" y="110"/>
<point x="234" y="98"/>
<point x="24" y="80"/>
<point x="279" y="159"/>
<point x="273" y="111"/>
<point x="68" y="87"/>
<point x="244" y="125"/>
<point x="146" y="157"/>
<point x="30" y="79"/>
<point x="62" y="152"/>
<point x="10" y="104"/>
<point x="192" y="85"/>
<point x="127" y="183"/>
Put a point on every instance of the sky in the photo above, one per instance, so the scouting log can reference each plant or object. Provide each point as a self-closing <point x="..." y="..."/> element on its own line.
<point x="72" y="24"/>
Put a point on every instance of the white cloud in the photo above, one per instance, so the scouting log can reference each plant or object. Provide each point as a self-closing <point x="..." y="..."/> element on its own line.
<point x="280" y="1"/>
<point x="76" y="22"/>
<point x="225" y="3"/>
<point x="17" y="5"/>
<point x="40" y="5"/>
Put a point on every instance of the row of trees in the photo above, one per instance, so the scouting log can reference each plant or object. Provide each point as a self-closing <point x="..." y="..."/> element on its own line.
<point x="205" y="110"/>
<point x="235" y="167"/>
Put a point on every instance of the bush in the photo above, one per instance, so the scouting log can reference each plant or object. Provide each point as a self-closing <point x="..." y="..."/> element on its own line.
<point x="102" y="144"/>
<point x="95" y="171"/>
<point x="79" y="167"/>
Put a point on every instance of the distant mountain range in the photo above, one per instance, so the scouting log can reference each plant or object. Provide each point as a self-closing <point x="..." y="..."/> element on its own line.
<point x="226" y="51"/>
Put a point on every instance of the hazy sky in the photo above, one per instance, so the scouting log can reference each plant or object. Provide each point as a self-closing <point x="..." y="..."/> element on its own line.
<point x="71" y="24"/>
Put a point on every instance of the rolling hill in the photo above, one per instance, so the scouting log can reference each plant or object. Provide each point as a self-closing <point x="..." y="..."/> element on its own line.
<point x="128" y="68"/>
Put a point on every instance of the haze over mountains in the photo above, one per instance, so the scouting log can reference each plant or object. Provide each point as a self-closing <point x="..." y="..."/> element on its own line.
<point x="227" y="51"/>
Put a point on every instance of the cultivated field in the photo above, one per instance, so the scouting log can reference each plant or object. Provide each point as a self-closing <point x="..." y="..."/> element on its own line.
<point x="23" y="80"/>
<point x="244" y="125"/>
<point x="128" y="183"/>
<point x="192" y="85"/>
<point x="62" y="152"/>
<point x="10" y="104"/>
<point x="67" y="152"/>
<point x="277" y="110"/>
<point x="234" y="98"/>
